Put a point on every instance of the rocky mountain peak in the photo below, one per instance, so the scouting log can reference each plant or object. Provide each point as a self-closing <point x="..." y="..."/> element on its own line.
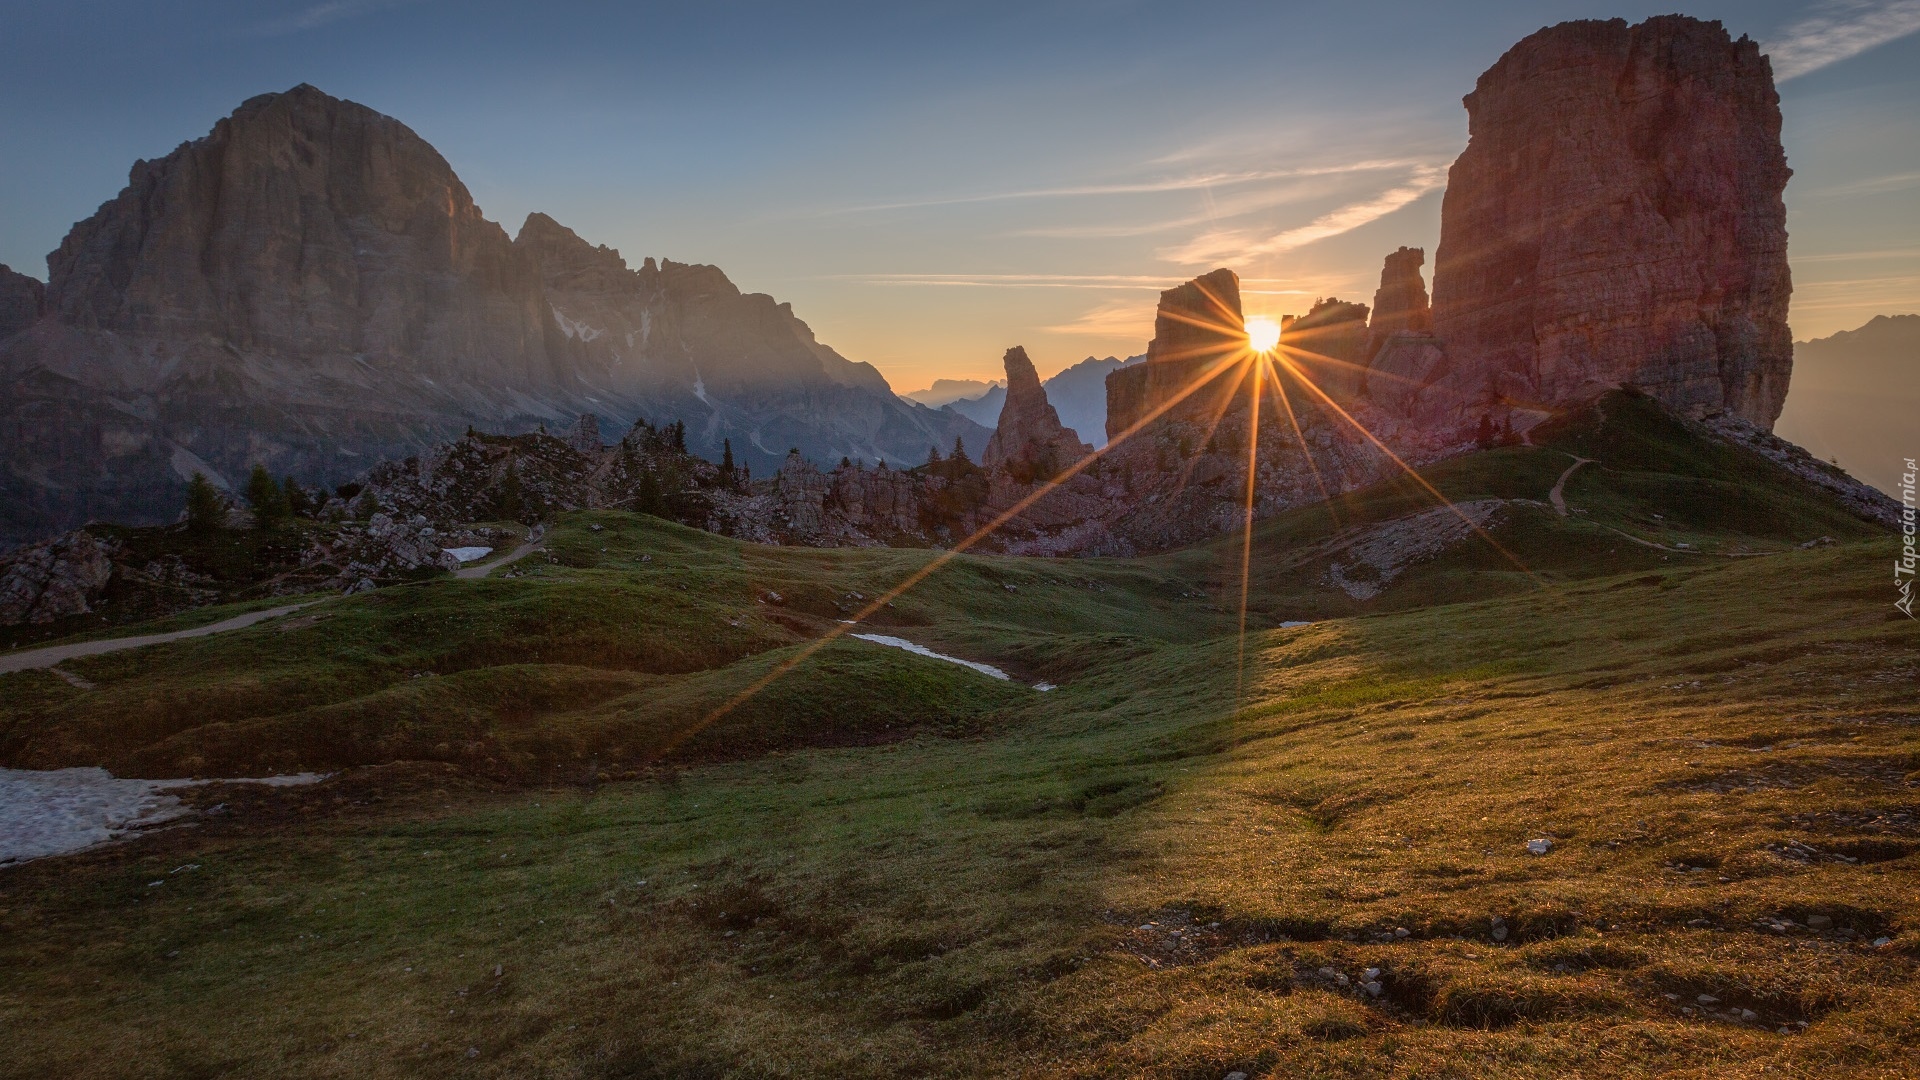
<point x="1617" y="218"/>
<point x="1029" y="442"/>
<point x="1400" y="304"/>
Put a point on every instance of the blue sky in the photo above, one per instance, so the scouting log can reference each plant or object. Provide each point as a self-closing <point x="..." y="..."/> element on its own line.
<point x="930" y="183"/>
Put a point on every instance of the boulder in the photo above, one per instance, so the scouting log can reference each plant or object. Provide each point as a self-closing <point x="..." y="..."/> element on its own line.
<point x="1616" y="218"/>
<point x="54" y="580"/>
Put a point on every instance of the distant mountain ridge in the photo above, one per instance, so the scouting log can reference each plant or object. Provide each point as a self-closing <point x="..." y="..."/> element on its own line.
<point x="1078" y="394"/>
<point x="1856" y="397"/>
<point x="311" y="287"/>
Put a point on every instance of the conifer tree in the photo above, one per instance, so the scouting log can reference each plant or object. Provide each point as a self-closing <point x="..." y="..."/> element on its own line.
<point x="264" y="497"/>
<point x="510" y="503"/>
<point x="299" y="503"/>
<point x="206" y="507"/>
<point x="960" y="450"/>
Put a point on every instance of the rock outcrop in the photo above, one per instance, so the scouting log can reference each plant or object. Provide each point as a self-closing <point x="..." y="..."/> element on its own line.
<point x="1197" y="328"/>
<point x="1400" y="305"/>
<point x="22" y="301"/>
<point x="311" y="287"/>
<point x="54" y="580"/>
<point x="1617" y="219"/>
<point x="1329" y="344"/>
<point x="1029" y="443"/>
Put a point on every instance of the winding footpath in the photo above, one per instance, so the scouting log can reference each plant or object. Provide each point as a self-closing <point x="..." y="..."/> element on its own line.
<point x="54" y="654"/>
<point x="1558" y="496"/>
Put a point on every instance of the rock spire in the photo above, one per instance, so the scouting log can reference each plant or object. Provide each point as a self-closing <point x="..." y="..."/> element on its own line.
<point x="1029" y="442"/>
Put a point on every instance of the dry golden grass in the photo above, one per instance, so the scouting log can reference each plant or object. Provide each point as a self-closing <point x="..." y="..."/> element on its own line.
<point x="1006" y="904"/>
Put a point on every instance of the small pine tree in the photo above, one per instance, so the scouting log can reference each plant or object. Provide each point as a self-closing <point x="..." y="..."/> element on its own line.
<point x="846" y="462"/>
<point x="1484" y="437"/>
<point x="680" y="435"/>
<point x="960" y="450"/>
<point x="299" y="502"/>
<point x="510" y="503"/>
<point x="647" y="500"/>
<point x="1507" y="437"/>
<point x="726" y="460"/>
<point x="933" y="455"/>
<point x="206" y="507"/>
<point x="264" y="497"/>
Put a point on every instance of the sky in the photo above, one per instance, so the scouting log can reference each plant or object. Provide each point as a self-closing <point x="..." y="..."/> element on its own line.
<point x="929" y="183"/>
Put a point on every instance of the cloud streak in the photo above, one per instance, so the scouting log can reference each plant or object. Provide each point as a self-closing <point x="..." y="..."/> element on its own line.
<point x="1840" y="30"/>
<point x="318" y="15"/>
<point x="1228" y="245"/>
<point x="1193" y="182"/>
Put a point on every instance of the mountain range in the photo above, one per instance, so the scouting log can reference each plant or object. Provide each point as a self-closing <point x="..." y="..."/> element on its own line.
<point x="311" y="287"/>
<point x="1856" y="398"/>
<point x="1078" y="393"/>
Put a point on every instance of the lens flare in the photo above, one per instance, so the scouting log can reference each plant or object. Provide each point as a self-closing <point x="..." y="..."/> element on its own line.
<point x="1263" y="334"/>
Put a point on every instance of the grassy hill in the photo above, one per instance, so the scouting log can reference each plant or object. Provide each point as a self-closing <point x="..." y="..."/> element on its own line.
<point x="538" y="859"/>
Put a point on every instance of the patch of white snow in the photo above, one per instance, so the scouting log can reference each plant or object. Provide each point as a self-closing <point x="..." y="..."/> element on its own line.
<point x="56" y="811"/>
<point x="469" y="554"/>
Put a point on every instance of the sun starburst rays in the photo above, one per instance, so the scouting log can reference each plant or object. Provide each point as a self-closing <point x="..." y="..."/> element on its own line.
<point x="1251" y="367"/>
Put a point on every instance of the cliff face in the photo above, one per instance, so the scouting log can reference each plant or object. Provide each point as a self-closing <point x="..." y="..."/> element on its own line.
<point x="22" y="301"/>
<point x="311" y="287"/>
<point x="1400" y="304"/>
<point x="1329" y="344"/>
<point x="1197" y="326"/>
<point x="1617" y="218"/>
<point x="1029" y="442"/>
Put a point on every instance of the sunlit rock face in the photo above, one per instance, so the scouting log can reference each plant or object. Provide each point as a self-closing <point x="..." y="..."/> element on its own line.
<point x="1617" y="218"/>
<point x="311" y="287"/>
<point x="1030" y="442"/>
<point x="1400" y="305"/>
<point x="1196" y="327"/>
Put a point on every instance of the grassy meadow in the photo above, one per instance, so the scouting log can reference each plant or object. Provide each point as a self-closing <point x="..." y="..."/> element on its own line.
<point x="1301" y="854"/>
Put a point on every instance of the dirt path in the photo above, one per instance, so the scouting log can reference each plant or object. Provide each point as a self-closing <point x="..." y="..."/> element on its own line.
<point x="47" y="657"/>
<point x="1558" y="496"/>
<point x="468" y="573"/>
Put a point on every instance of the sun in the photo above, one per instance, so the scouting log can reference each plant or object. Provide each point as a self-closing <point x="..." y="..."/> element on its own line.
<point x="1262" y="334"/>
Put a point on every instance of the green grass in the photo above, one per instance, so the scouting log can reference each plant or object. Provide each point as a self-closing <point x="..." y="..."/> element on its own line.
<point x="540" y="859"/>
<point x="970" y="905"/>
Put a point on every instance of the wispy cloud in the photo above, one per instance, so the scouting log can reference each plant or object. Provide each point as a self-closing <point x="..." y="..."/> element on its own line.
<point x="1115" y="318"/>
<point x="1857" y="256"/>
<point x="1838" y="30"/>
<point x="1877" y="185"/>
<point x="318" y="15"/>
<point x="1189" y="182"/>
<point x="1125" y="282"/>
<point x="1231" y="245"/>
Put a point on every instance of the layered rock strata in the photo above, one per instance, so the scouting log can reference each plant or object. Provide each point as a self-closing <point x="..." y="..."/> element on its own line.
<point x="1617" y="218"/>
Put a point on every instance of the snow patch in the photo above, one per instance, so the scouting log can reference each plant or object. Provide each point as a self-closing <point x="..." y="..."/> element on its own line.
<point x="574" y="328"/>
<point x="700" y="389"/>
<point x="469" y="554"/>
<point x="56" y="811"/>
<point x="920" y="650"/>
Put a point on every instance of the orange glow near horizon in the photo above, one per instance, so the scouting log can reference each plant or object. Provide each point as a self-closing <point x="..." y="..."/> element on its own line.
<point x="1260" y="359"/>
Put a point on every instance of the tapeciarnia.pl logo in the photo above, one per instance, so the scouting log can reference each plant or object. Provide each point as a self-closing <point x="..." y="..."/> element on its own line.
<point x="1903" y="567"/>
